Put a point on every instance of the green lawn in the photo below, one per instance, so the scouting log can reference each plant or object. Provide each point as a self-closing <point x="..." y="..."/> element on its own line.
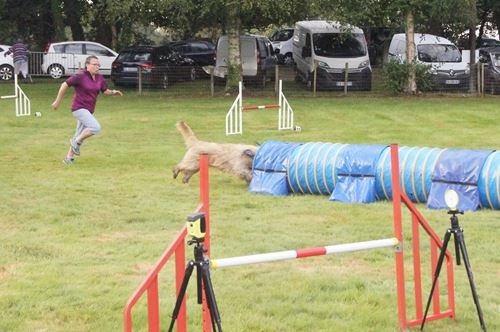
<point x="77" y="240"/>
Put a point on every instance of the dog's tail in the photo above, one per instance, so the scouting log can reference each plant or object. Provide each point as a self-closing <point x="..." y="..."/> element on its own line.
<point x="186" y="132"/>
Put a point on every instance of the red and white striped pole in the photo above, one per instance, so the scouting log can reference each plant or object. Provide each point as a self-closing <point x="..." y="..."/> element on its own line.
<point x="301" y="253"/>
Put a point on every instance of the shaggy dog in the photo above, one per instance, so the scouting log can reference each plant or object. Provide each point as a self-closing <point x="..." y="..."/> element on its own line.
<point x="230" y="158"/>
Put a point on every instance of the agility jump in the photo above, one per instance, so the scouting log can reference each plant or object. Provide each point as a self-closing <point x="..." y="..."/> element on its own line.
<point x="150" y="284"/>
<point x="23" y="104"/>
<point x="234" y="117"/>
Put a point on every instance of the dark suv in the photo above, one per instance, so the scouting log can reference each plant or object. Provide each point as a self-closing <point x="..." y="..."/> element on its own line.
<point x="158" y="66"/>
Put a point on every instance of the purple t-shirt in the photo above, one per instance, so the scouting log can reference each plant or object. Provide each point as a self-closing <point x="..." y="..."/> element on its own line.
<point x="86" y="90"/>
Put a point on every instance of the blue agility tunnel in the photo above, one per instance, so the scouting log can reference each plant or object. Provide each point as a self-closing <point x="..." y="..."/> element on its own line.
<point x="362" y="173"/>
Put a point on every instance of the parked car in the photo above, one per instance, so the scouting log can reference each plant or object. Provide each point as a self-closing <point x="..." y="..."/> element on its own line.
<point x="6" y="64"/>
<point x="159" y="66"/>
<point x="200" y="51"/>
<point x="490" y="57"/>
<point x="448" y="70"/>
<point x="258" y="58"/>
<point x="282" y="41"/>
<point x="66" y="58"/>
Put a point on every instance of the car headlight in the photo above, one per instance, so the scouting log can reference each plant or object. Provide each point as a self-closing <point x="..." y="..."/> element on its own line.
<point x="433" y="71"/>
<point x="467" y="70"/>
<point x="323" y="64"/>
<point x="364" y="64"/>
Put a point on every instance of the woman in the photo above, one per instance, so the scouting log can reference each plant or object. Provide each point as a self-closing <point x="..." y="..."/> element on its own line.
<point x="87" y="85"/>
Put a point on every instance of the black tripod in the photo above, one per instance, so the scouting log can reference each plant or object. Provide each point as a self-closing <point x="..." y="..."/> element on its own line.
<point x="459" y="247"/>
<point x="202" y="265"/>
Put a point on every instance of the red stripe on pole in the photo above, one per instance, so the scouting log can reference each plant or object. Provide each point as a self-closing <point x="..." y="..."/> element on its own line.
<point x="301" y="253"/>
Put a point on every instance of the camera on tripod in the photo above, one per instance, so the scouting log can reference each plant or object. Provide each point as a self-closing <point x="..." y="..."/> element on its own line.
<point x="196" y="226"/>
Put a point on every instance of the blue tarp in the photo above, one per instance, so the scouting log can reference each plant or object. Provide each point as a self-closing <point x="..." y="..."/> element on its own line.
<point x="356" y="169"/>
<point x="415" y="172"/>
<point x="458" y="170"/>
<point x="270" y="168"/>
<point x="489" y="182"/>
<point x="362" y="173"/>
<point x="312" y="168"/>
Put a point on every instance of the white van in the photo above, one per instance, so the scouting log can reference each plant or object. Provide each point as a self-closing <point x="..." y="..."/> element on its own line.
<point x="447" y="68"/>
<point x="332" y="46"/>
<point x="258" y="60"/>
<point x="282" y="40"/>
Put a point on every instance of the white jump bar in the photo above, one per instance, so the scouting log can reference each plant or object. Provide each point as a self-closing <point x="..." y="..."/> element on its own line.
<point x="301" y="253"/>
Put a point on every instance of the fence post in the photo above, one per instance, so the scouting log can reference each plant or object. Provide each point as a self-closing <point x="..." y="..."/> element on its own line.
<point x="139" y="79"/>
<point x="212" y="88"/>
<point x="276" y="79"/>
<point x="315" y="67"/>
<point x="482" y="79"/>
<point x="346" y="77"/>
<point x="478" y="77"/>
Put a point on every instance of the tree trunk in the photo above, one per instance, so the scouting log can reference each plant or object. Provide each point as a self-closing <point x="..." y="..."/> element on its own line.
<point x="234" y="68"/>
<point x="57" y="19"/>
<point x="114" y="37"/>
<point x="411" y="85"/>
<point x="472" y="47"/>
<point x="73" y="11"/>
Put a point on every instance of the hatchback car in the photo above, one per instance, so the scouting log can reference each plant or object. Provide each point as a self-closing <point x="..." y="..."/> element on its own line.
<point x="66" y="58"/>
<point x="490" y="57"/>
<point x="158" y="66"/>
<point x="6" y="64"/>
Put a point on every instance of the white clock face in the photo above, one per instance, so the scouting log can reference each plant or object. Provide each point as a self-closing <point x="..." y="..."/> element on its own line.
<point x="451" y="199"/>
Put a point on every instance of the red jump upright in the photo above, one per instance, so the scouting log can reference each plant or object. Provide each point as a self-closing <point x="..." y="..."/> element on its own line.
<point x="177" y="247"/>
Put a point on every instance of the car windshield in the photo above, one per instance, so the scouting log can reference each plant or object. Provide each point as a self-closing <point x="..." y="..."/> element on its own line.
<point x="134" y="56"/>
<point x="339" y="45"/>
<point x="438" y="53"/>
<point x="281" y="35"/>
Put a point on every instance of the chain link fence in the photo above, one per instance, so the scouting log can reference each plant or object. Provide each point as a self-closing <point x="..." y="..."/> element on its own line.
<point x="196" y="82"/>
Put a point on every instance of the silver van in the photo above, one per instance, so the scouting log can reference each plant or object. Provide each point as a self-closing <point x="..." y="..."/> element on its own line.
<point x="448" y="70"/>
<point x="258" y="58"/>
<point x="332" y="47"/>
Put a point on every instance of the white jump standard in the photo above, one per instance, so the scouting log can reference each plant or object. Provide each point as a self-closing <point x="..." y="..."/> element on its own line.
<point x="302" y="253"/>
<point x="23" y="104"/>
<point x="234" y="117"/>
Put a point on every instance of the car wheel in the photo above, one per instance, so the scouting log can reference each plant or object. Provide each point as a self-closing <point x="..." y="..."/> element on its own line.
<point x="192" y="74"/>
<point x="56" y="71"/>
<point x="288" y="59"/>
<point x="6" y="72"/>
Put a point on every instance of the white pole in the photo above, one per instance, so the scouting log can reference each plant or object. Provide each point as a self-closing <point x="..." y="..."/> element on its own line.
<point x="294" y="254"/>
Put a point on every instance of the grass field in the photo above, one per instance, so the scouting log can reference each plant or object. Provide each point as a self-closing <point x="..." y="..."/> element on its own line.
<point x="77" y="240"/>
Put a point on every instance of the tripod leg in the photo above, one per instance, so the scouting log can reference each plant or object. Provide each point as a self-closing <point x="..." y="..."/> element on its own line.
<point x="465" y="256"/>
<point x="198" y="283"/>
<point x="210" y="295"/>
<point x="182" y="292"/>
<point x="436" y="274"/>
<point x="457" y="250"/>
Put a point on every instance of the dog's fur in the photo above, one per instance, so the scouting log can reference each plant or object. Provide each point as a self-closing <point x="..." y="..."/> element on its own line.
<point x="230" y="158"/>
